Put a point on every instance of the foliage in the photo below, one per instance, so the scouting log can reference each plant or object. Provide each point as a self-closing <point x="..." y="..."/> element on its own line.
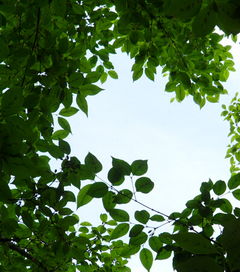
<point x="52" y="55"/>
<point x="232" y="116"/>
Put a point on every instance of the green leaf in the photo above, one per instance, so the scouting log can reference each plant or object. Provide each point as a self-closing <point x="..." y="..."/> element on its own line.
<point x="136" y="230"/>
<point x="170" y="86"/>
<point x="139" y="167"/>
<point x="116" y="176"/>
<point x="204" y="22"/>
<point x="12" y="99"/>
<point x="4" y="50"/>
<point x="97" y="189"/>
<point x="199" y="264"/>
<point x="226" y="206"/>
<point x="144" y="185"/>
<point x="180" y="93"/>
<point x="149" y="73"/>
<point x="124" y="196"/>
<point x="90" y="89"/>
<point x="219" y="187"/>
<point x="103" y="77"/>
<point x="68" y="221"/>
<point x="119" y="231"/>
<point x="155" y="243"/>
<point x="165" y="238"/>
<point x="93" y="163"/>
<point x="142" y="216"/>
<point x="64" y="124"/>
<point x="236" y="194"/>
<point x="64" y="146"/>
<point x="184" y="10"/>
<point x="103" y="217"/>
<point x="113" y="74"/>
<point x="82" y="103"/>
<point x="139" y="239"/>
<point x="194" y="243"/>
<point x="157" y="218"/>
<point x="60" y="134"/>
<point x="5" y="192"/>
<point x="68" y="111"/>
<point x="108" y="202"/>
<point x="122" y="166"/>
<point x="234" y="181"/>
<point x="146" y="258"/>
<point x="163" y="254"/>
<point x="119" y="215"/>
<point x="27" y="219"/>
<point x="137" y="74"/>
<point x="83" y="197"/>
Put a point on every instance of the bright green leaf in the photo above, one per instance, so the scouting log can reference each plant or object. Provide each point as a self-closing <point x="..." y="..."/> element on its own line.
<point x="83" y="197"/>
<point x="68" y="111"/>
<point x="146" y="258"/>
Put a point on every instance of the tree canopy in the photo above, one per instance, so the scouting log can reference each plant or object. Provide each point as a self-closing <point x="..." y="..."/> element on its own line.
<point x="53" y="54"/>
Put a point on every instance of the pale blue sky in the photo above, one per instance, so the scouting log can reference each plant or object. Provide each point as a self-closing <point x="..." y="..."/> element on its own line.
<point x="183" y="144"/>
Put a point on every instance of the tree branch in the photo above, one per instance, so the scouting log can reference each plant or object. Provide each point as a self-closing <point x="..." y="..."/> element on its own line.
<point x="23" y="252"/>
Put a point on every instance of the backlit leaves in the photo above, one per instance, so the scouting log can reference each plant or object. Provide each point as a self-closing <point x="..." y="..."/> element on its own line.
<point x="55" y="53"/>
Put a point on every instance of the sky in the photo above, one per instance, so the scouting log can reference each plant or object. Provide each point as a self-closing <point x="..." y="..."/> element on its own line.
<point x="184" y="145"/>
